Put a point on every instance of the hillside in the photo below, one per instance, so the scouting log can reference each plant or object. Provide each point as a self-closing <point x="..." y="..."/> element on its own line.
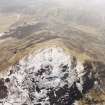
<point x="62" y="47"/>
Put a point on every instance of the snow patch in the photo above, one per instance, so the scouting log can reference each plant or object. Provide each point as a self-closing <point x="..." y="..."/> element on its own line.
<point x="1" y="34"/>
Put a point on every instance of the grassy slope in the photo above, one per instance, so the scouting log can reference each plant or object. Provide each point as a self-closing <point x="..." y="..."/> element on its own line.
<point x="6" y="21"/>
<point x="77" y="39"/>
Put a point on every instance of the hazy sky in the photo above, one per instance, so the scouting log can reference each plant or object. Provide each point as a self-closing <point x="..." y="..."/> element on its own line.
<point x="82" y="10"/>
<point x="85" y="4"/>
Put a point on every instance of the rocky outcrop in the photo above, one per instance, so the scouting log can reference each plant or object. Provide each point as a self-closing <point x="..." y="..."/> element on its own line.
<point x="49" y="77"/>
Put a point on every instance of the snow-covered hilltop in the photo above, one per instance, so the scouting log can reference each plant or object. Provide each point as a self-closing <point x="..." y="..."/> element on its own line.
<point x="49" y="77"/>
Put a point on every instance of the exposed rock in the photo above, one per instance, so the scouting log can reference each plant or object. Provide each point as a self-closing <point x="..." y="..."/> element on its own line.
<point x="50" y="77"/>
<point x="3" y="89"/>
